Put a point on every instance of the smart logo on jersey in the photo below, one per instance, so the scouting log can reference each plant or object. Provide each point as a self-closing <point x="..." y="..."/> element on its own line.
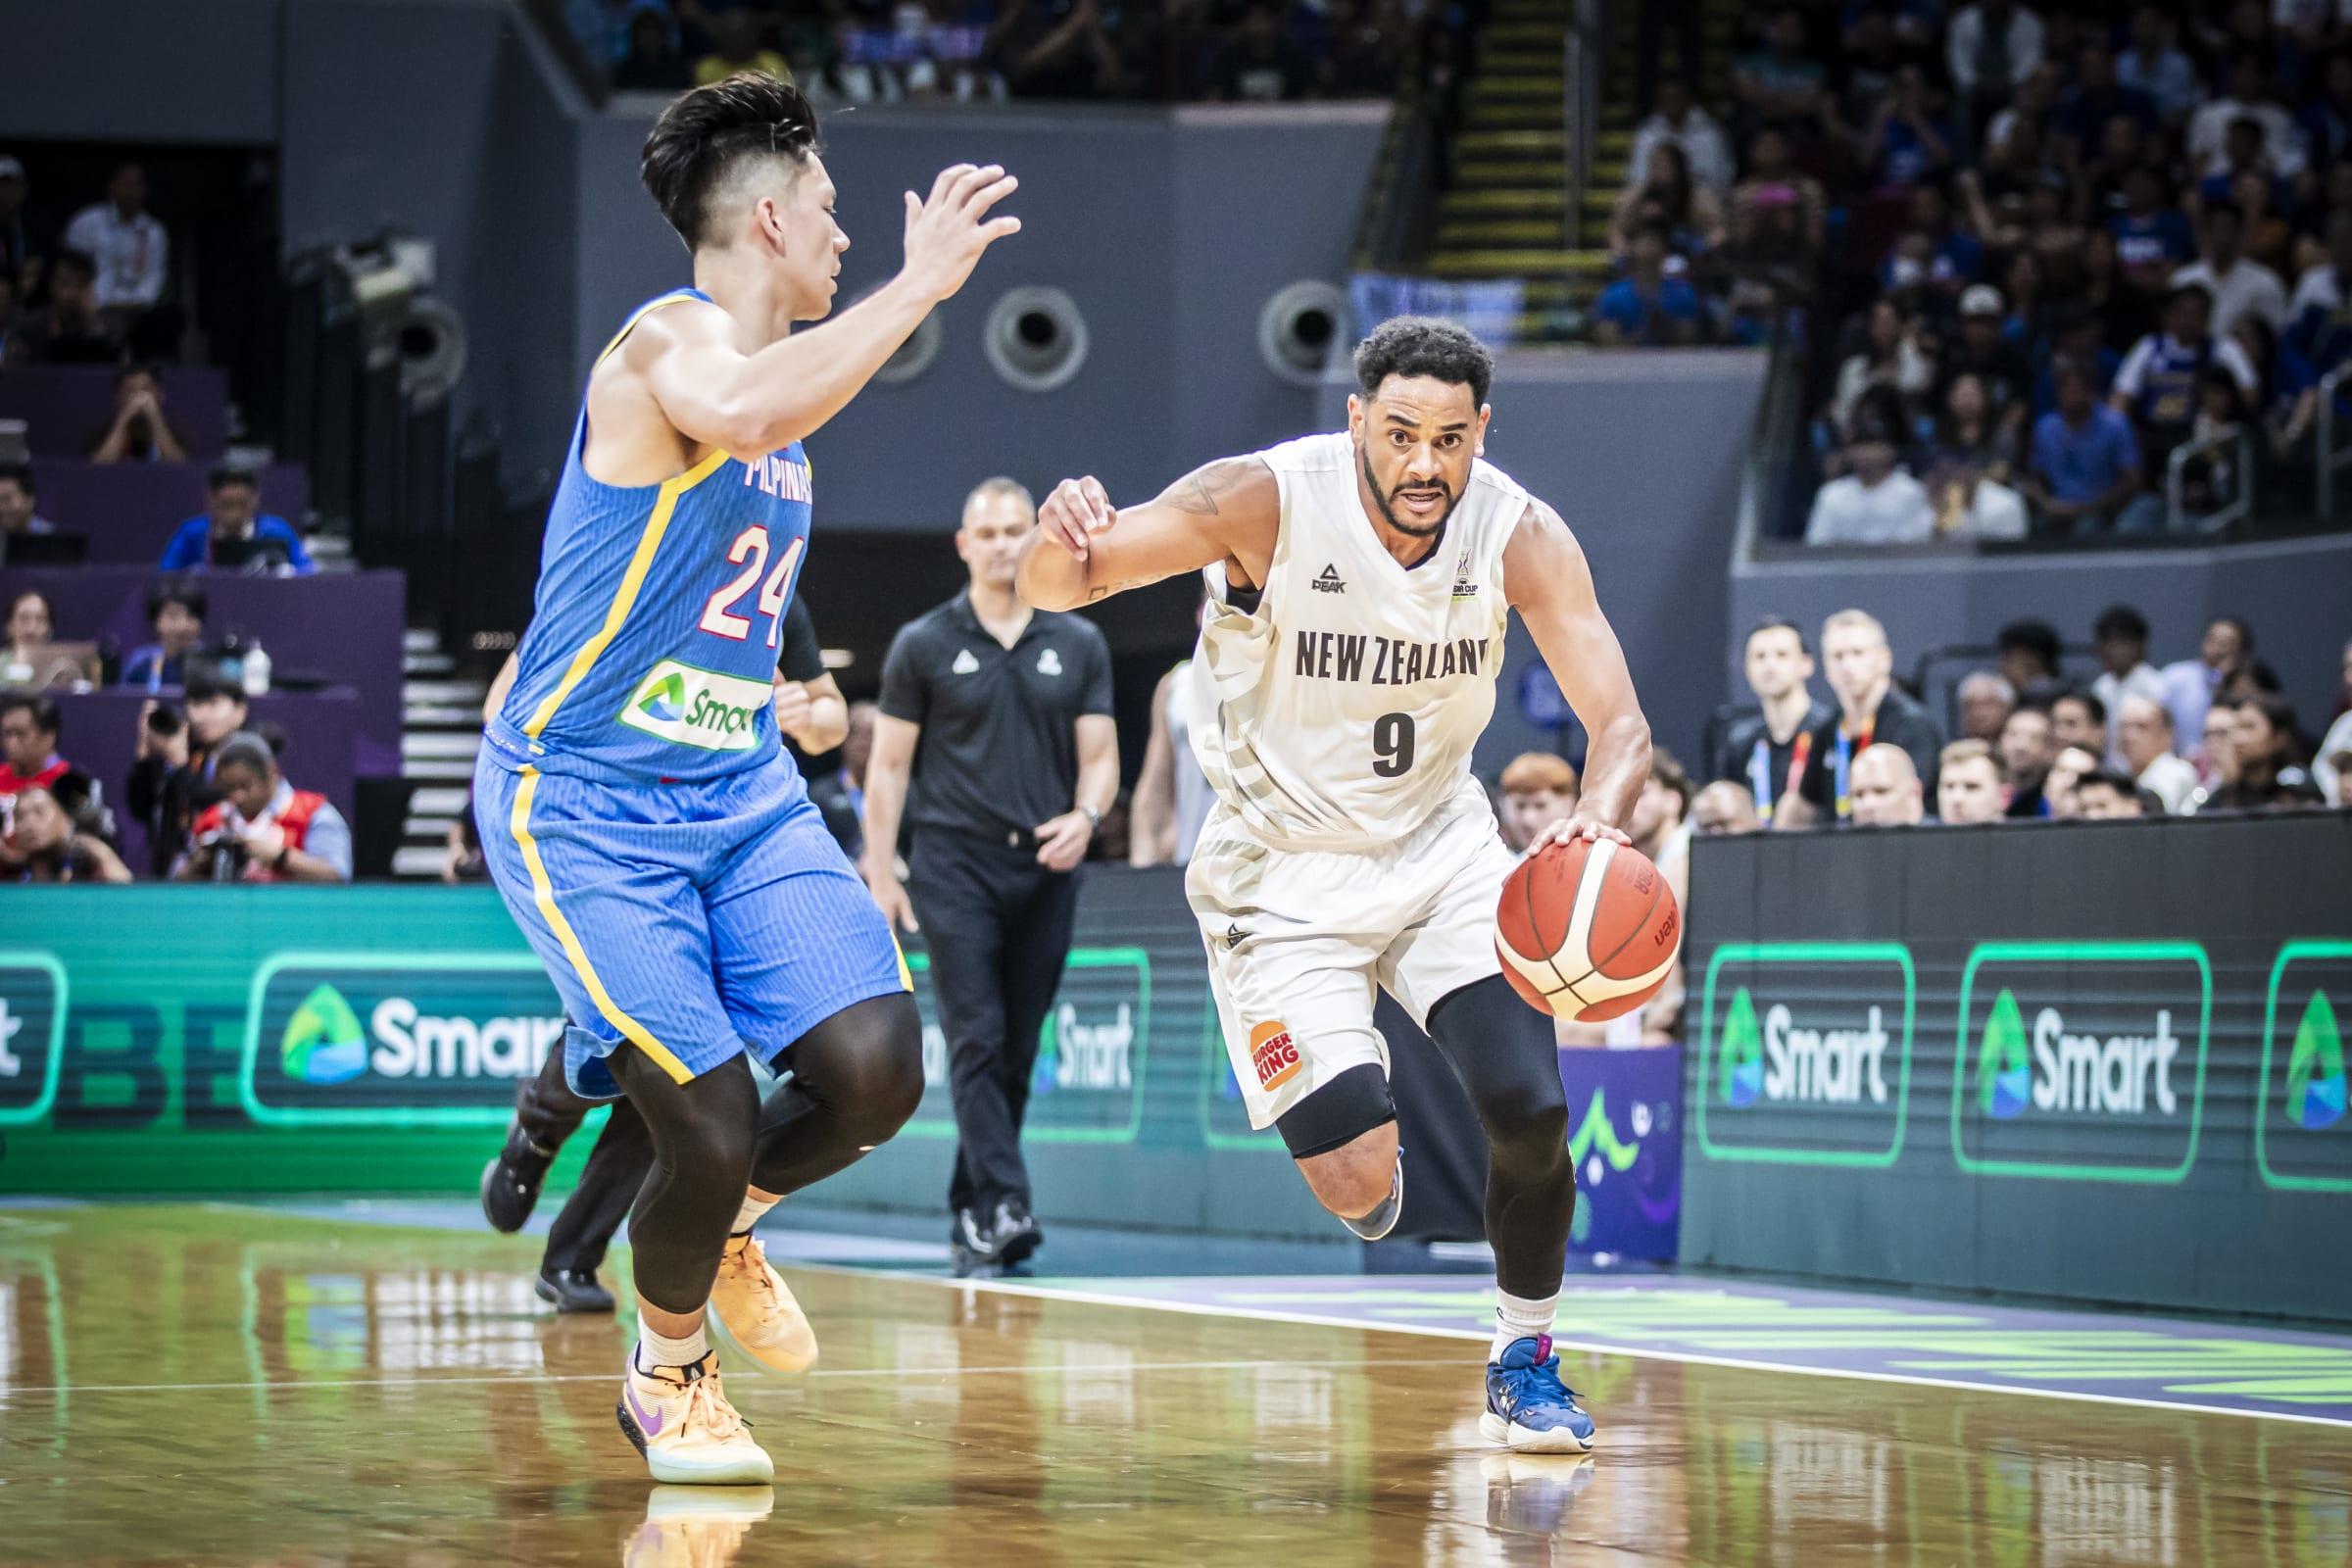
<point x="1816" y="1052"/>
<point x="695" y="706"/>
<point x="395" y="1038"/>
<point x="324" y="1043"/>
<point x="2089" y="1059"/>
<point x="2303" y="1119"/>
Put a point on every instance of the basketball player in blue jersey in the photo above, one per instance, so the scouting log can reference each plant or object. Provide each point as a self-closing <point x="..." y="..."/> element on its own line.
<point x="654" y="842"/>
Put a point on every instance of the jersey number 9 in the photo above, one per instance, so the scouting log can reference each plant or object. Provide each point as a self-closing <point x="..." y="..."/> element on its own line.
<point x="1393" y="745"/>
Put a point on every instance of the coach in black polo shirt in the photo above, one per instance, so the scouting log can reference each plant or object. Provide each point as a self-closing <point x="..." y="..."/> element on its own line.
<point x="1870" y="710"/>
<point x="1001" y="716"/>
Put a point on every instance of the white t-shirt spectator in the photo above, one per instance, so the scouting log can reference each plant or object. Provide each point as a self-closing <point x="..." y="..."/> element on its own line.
<point x="2226" y="354"/>
<point x="1964" y="44"/>
<point x="2336" y="783"/>
<point x="2209" y="136"/>
<point x="1994" y="511"/>
<point x="2171" y="780"/>
<point x="1702" y="142"/>
<point x="2246" y="286"/>
<point x="2318" y="285"/>
<point x="2143" y="681"/>
<point x="132" y="254"/>
<point x="1892" y="511"/>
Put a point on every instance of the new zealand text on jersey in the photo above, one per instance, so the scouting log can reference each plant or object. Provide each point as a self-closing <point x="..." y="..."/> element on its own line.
<point x="1340" y="655"/>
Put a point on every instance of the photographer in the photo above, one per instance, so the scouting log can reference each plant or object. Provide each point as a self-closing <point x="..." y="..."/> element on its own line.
<point x="42" y="846"/>
<point x="168" y="779"/>
<point x="263" y="829"/>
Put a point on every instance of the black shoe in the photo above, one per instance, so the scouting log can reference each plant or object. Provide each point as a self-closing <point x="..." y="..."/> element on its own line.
<point x="572" y="1290"/>
<point x="970" y="1266"/>
<point x="967" y="1234"/>
<point x="511" y="1182"/>
<point x="1015" y="1232"/>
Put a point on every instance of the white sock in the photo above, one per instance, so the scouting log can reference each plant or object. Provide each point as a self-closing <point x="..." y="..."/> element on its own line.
<point x="750" y="1213"/>
<point x="659" y="1350"/>
<point x="1516" y="1317"/>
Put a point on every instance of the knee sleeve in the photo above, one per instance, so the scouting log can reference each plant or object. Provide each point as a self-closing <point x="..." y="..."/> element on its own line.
<point x="1338" y="1114"/>
<point x="703" y="1134"/>
<point x="866" y="1063"/>
<point x="1503" y="1052"/>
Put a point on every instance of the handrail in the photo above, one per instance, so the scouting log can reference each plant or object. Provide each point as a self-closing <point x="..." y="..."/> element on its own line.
<point x="2327" y="459"/>
<point x="1585" y="52"/>
<point x="2188" y="451"/>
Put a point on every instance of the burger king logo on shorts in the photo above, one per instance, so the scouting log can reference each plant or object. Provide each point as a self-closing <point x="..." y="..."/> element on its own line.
<point x="1274" y="1054"/>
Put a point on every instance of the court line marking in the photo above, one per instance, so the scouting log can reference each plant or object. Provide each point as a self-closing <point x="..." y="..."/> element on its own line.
<point x="532" y="1380"/>
<point x="1594" y="1346"/>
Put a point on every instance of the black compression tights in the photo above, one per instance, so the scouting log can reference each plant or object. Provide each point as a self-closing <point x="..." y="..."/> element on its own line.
<point x="856" y="1079"/>
<point x="1503" y="1051"/>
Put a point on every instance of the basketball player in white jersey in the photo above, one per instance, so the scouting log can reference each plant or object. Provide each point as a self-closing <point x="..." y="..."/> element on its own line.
<point x="1359" y="587"/>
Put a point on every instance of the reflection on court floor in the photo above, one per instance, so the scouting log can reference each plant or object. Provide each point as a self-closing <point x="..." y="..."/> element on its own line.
<point x="228" y="1385"/>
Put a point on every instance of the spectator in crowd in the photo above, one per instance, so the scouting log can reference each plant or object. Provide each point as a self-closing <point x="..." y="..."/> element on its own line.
<point x="1538" y="789"/>
<point x="1258" y="64"/>
<point x="133" y="254"/>
<point x="1986" y="699"/>
<point x="2324" y="285"/>
<point x="2155" y="67"/>
<point x="2119" y="637"/>
<point x="31" y="627"/>
<point x="1932" y="259"/>
<point x="2103" y="796"/>
<point x="1779" y="214"/>
<point x="1973" y="456"/>
<point x="2248" y="97"/>
<point x="2067" y="769"/>
<point x="1764" y="748"/>
<point x="2190" y="684"/>
<point x="1986" y="352"/>
<point x="2144" y="746"/>
<point x="2085" y="467"/>
<point x="1647" y="305"/>
<point x="19" y="513"/>
<point x="68" y="330"/>
<point x="262" y="828"/>
<point x="175" y="609"/>
<point x="1724" y="809"/>
<point x="235" y="533"/>
<point x="736" y="48"/>
<point x="1991" y="48"/>
<point x="2152" y="237"/>
<point x="2079" y="718"/>
<point x="44" y="845"/>
<point x="2098" y="98"/>
<point x="2237" y="286"/>
<point x="2331" y="764"/>
<point x="2157" y="385"/>
<point x="1886" y="791"/>
<point x="2028" y="749"/>
<point x="1687" y="214"/>
<point x="2027" y="654"/>
<point x="171" y="774"/>
<point x="28" y="731"/>
<point x="1861" y="672"/>
<point x="1059" y="49"/>
<point x="2267" y="763"/>
<point x="1907" y="140"/>
<point x="1972" y="784"/>
<point x="139" y="431"/>
<point x="1893" y="356"/>
<point x="1780" y="83"/>
<point x="1677" y="122"/>
<point x="21" y="242"/>
<point x="653" y="62"/>
<point x="1876" y="503"/>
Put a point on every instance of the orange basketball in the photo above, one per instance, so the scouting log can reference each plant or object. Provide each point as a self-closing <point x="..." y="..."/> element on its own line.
<point x="1587" y="931"/>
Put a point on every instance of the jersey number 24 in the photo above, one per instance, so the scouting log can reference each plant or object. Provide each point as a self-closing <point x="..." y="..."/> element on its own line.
<point x="719" y="615"/>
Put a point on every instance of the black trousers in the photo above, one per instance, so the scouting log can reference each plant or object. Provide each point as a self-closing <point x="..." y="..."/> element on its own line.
<point x="548" y="1113"/>
<point x="996" y="925"/>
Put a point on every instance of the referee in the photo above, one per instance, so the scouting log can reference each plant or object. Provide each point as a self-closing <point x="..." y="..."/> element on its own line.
<point x="1001" y="716"/>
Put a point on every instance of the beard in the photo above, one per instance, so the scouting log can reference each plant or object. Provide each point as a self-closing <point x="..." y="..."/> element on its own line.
<point x="1388" y="511"/>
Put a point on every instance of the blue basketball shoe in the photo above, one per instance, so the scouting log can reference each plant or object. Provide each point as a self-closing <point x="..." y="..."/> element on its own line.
<point x="1529" y="1409"/>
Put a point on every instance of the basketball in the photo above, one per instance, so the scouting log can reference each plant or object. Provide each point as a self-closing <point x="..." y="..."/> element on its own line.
<point x="1587" y="931"/>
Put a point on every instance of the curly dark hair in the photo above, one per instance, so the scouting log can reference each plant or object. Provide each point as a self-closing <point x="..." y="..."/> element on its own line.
<point x="1423" y="345"/>
<point x="705" y="134"/>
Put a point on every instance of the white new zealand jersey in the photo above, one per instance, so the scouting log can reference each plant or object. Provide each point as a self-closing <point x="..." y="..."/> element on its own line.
<point x="1347" y="703"/>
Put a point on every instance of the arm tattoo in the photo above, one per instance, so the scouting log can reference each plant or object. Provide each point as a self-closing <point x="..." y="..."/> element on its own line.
<point x="1197" y="492"/>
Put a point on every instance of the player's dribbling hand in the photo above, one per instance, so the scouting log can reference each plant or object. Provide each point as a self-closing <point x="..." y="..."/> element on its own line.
<point x="1076" y="510"/>
<point x="946" y="234"/>
<point x="1569" y="829"/>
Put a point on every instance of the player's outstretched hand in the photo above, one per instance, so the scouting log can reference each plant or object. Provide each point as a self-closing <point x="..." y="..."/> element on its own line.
<point x="1569" y="829"/>
<point x="946" y="234"/>
<point x="1076" y="510"/>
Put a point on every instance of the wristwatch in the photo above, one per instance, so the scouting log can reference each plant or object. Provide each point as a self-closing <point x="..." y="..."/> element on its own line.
<point x="1093" y="818"/>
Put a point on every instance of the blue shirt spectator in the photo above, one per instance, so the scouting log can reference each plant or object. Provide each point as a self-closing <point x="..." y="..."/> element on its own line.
<point x="191" y="546"/>
<point x="234" y="533"/>
<point x="1648" y="308"/>
<point x="2148" y="239"/>
<point x="2079" y="462"/>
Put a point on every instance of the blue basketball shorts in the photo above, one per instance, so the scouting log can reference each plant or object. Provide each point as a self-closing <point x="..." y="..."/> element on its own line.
<point x="695" y="921"/>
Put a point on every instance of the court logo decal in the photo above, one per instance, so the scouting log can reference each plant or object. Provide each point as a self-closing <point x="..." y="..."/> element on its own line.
<point x="1815" y="1048"/>
<point x="2303" y="1105"/>
<point x="400" y="1039"/>
<point x="706" y="708"/>
<point x="2089" y="1059"/>
<point x="1274" y="1055"/>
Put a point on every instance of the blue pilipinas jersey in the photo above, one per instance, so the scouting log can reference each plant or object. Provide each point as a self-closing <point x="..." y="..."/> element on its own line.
<point x="660" y="609"/>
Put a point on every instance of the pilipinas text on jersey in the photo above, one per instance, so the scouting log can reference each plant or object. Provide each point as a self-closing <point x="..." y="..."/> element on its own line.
<point x="659" y="610"/>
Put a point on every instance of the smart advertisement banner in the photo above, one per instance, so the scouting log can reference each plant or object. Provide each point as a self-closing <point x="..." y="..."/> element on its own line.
<point x="2100" y="1059"/>
<point x="192" y="1040"/>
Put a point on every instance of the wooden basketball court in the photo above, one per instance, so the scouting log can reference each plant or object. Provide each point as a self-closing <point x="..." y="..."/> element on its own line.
<point x="222" y="1385"/>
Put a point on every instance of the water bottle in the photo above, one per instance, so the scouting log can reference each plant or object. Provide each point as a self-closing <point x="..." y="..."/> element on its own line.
<point x="257" y="671"/>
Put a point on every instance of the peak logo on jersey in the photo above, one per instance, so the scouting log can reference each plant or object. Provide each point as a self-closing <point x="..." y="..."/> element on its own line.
<point x="2315" y="1069"/>
<point x="964" y="663"/>
<point x="1049" y="662"/>
<point x="1330" y="582"/>
<point x="324" y="1043"/>
<point x="699" y="708"/>
<point x="1274" y="1055"/>
<point x="2004" y="1080"/>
